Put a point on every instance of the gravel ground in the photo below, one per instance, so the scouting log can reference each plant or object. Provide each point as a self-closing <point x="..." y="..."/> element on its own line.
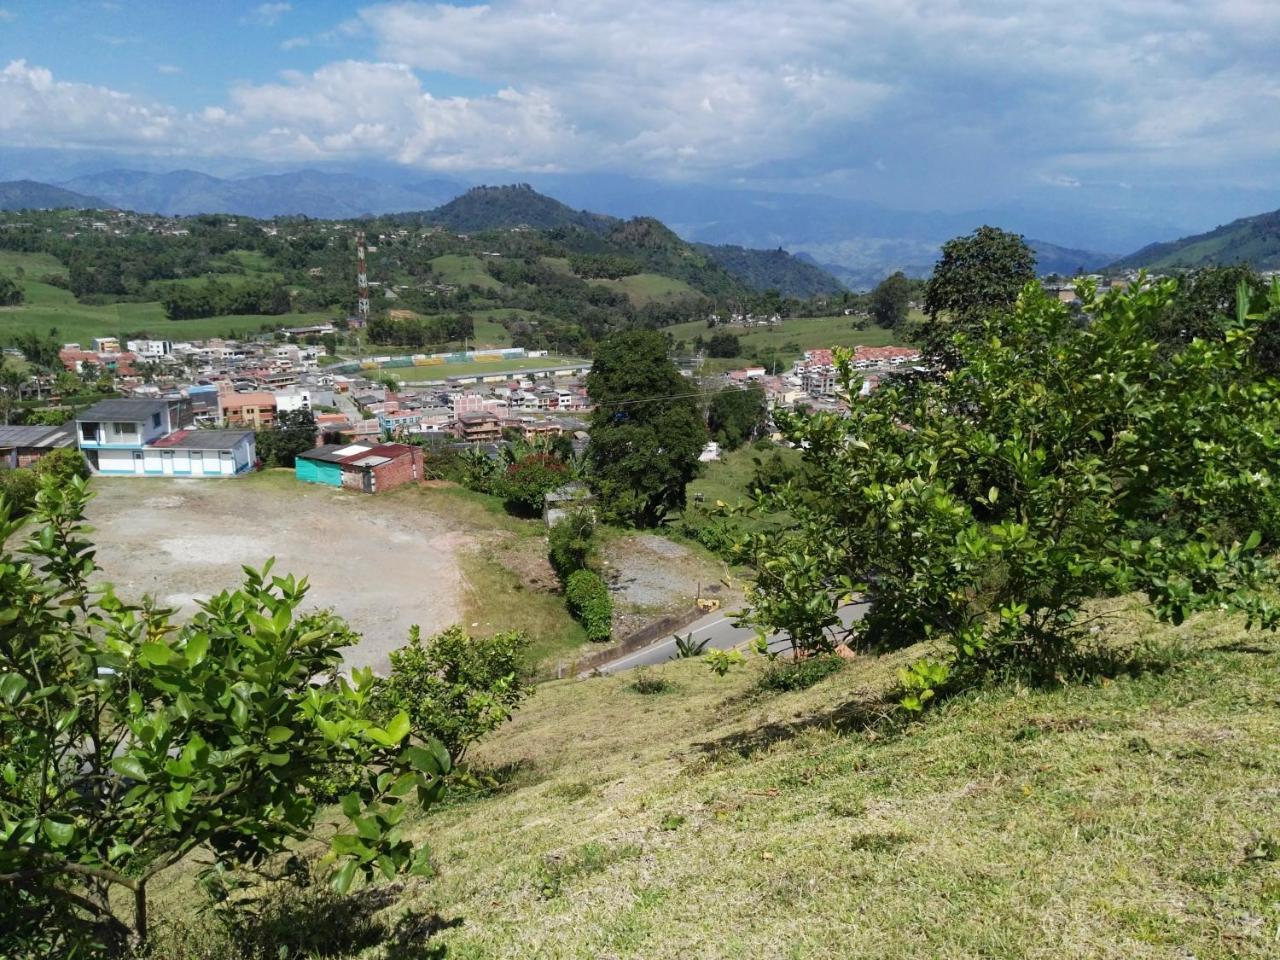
<point x="382" y="563"/>
<point x="650" y="576"/>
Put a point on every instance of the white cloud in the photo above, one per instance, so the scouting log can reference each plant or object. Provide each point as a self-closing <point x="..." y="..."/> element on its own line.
<point x="6" y="15"/>
<point x="168" y="69"/>
<point x="37" y="110"/>
<point x="867" y="93"/>
<point x="267" y="14"/>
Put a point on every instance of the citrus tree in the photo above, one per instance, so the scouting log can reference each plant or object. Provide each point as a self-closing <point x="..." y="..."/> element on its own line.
<point x="129" y="743"/>
<point x="1060" y="462"/>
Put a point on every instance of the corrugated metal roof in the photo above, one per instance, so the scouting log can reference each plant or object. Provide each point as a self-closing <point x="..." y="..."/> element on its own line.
<point x="122" y="410"/>
<point x="35" y="436"/>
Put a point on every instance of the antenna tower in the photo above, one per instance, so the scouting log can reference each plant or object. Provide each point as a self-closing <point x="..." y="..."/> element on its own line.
<point x="362" y="283"/>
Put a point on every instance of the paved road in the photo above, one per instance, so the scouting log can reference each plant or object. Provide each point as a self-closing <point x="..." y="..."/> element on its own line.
<point x="718" y="630"/>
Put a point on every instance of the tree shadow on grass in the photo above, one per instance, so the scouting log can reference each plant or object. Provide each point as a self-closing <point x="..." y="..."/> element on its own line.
<point x="877" y="714"/>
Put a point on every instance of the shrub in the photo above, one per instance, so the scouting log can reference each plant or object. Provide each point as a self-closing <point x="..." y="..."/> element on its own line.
<point x="62" y="464"/>
<point x="590" y="604"/>
<point x="799" y="674"/>
<point x="527" y="481"/>
<point x="214" y="727"/>
<point x="455" y="687"/>
<point x="647" y="683"/>
<point x="571" y="545"/>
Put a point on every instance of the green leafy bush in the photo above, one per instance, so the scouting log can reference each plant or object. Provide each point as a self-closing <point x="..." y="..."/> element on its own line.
<point x="455" y="688"/>
<point x="128" y="743"/>
<point x="526" y="482"/>
<point x="571" y="544"/>
<point x="590" y="604"/>
<point x="783" y="677"/>
<point x="1059" y="462"/>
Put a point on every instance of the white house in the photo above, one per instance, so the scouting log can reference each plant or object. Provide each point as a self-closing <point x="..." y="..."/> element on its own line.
<point x="153" y="438"/>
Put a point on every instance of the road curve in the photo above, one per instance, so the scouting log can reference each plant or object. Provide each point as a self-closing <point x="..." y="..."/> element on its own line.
<point x="718" y="630"/>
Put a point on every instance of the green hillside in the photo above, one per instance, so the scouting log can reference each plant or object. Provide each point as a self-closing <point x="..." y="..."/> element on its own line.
<point x="1131" y="815"/>
<point x="1251" y="240"/>
<point x="501" y="208"/>
<point x="773" y="270"/>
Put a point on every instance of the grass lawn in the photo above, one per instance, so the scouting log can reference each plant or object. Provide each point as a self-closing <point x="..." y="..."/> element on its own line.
<point x="1130" y="814"/>
<point x="463" y="270"/>
<point x="645" y="288"/>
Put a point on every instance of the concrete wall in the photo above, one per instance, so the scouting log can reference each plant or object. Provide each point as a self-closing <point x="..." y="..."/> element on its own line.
<point x="176" y="463"/>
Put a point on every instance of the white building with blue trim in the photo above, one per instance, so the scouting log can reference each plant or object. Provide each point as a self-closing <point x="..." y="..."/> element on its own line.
<point x="155" y="438"/>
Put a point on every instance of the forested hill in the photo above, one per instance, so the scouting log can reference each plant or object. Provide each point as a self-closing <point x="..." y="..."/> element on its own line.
<point x="30" y="195"/>
<point x="507" y="208"/>
<point x="1252" y="240"/>
<point x="713" y="270"/>
<point x="773" y="270"/>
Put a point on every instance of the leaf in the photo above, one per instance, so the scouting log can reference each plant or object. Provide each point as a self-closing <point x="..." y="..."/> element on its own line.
<point x="197" y="649"/>
<point x="398" y="728"/>
<point x="1255" y="538"/>
<point x="351" y="805"/>
<point x="342" y="879"/>
<point x="11" y="687"/>
<point x="60" y="834"/>
<point x="155" y="654"/>
<point x="130" y="767"/>
<point x="278" y="734"/>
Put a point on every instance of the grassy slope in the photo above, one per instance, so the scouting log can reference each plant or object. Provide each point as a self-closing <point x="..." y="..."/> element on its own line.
<point x="645" y="288"/>
<point x="1127" y="816"/>
<point x="47" y="307"/>
<point x="463" y="270"/>
<point x="1111" y="819"/>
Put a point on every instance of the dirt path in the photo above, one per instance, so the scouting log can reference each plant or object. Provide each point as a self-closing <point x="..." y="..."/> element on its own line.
<point x="383" y="563"/>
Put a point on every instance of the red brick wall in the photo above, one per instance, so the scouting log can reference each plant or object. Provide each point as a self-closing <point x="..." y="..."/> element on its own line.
<point x="401" y="470"/>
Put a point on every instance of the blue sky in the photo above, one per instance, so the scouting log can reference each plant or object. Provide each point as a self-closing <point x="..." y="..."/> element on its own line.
<point x="1130" y="105"/>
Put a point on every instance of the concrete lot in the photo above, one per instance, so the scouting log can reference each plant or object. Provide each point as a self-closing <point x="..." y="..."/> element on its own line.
<point x="382" y="563"/>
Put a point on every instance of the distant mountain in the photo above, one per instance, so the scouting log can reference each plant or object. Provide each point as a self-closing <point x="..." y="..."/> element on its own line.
<point x="1252" y="240"/>
<point x="307" y="192"/>
<point x="773" y="270"/>
<point x="509" y="207"/>
<point x="1066" y="261"/>
<point x="711" y="269"/>
<point x="30" y="195"/>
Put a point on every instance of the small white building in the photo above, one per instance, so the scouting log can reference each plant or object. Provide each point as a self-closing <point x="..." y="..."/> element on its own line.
<point x="153" y="438"/>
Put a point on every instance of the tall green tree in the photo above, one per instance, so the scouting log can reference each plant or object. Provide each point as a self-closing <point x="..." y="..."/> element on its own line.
<point x="734" y="416"/>
<point x="1061" y="462"/>
<point x="890" y="300"/>
<point x="129" y="743"/>
<point x="646" y="430"/>
<point x="293" y="433"/>
<point x="977" y="275"/>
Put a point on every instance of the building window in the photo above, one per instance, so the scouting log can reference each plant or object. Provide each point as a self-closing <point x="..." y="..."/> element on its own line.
<point x="155" y="420"/>
<point x="124" y="431"/>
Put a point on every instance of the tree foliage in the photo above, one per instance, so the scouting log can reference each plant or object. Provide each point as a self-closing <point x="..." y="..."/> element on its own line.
<point x="890" y="300"/>
<point x="455" y="688"/>
<point x="10" y="292"/>
<point x="724" y="344"/>
<point x="1061" y="462"/>
<point x="735" y="416"/>
<point x="646" y="430"/>
<point x="977" y="274"/>
<point x="127" y="742"/>
<point x="293" y="433"/>
<point x="589" y="602"/>
<point x="571" y="543"/>
<point x="526" y="482"/>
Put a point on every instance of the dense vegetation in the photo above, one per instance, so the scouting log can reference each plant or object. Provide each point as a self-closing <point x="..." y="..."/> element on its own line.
<point x="1059" y="463"/>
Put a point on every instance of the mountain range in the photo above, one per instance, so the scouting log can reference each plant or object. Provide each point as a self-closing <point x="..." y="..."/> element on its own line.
<point x="857" y="242"/>
<point x="1252" y="240"/>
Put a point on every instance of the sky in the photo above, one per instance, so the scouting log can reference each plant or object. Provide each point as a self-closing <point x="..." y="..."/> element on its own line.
<point x="923" y="104"/>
